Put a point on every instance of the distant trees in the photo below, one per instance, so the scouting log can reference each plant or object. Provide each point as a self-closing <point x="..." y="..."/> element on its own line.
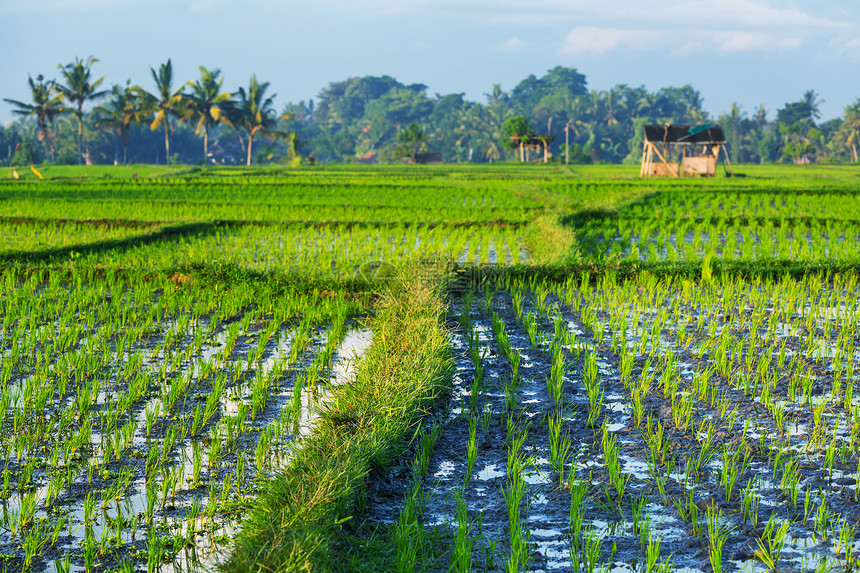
<point x="247" y="112"/>
<point x="804" y="111"/>
<point x="851" y="128"/>
<point x="800" y="136"/>
<point x="119" y="113"/>
<point x="210" y="105"/>
<point x="367" y="118"/>
<point x="47" y="104"/>
<point x="254" y="111"/>
<point x="410" y="142"/>
<point x="164" y="103"/>
<point x="794" y="136"/>
<point x="79" y="89"/>
<point x="515" y="127"/>
<point x="554" y="90"/>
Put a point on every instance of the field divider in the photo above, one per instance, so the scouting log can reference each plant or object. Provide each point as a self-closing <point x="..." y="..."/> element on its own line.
<point x="306" y="511"/>
<point x="711" y="270"/>
<point x="172" y="232"/>
<point x="736" y="220"/>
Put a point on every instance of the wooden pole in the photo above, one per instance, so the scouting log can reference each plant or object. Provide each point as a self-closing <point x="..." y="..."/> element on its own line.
<point x="666" y="163"/>
<point x="567" y="145"/>
<point x="728" y="161"/>
<point x="650" y="159"/>
<point x="647" y="159"/>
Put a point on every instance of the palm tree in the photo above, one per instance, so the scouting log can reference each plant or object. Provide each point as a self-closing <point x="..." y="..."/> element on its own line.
<point x="577" y="112"/>
<point x="493" y="117"/>
<point x="254" y="111"/>
<point x="812" y="103"/>
<point x="761" y="116"/>
<point x="498" y="97"/>
<point x="210" y="106"/>
<point x="615" y="105"/>
<point x="47" y="105"/>
<point x="79" y="89"/>
<point x="852" y="126"/>
<point x="164" y="103"/>
<point x="120" y="112"/>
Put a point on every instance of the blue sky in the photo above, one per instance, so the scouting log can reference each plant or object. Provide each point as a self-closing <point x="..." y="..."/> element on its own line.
<point x="747" y="51"/>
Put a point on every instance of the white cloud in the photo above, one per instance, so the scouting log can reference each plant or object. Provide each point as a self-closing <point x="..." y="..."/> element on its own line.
<point x="847" y="45"/>
<point x="750" y="41"/>
<point x="515" y="44"/>
<point x="677" y="26"/>
<point x="734" y="14"/>
<point x="700" y="13"/>
<point x="748" y="13"/>
<point x="527" y="20"/>
<point x="593" y="40"/>
<point x="678" y="41"/>
<point x="53" y="6"/>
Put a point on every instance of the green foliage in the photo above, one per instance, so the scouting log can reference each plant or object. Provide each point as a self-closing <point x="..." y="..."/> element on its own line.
<point x="516" y="126"/>
<point x="46" y="107"/>
<point x="804" y="110"/>
<point x="577" y="154"/>
<point x="164" y="104"/>
<point x="410" y="141"/>
<point x="209" y="105"/>
<point x="79" y="89"/>
<point x="362" y="117"/>
<point x="254" y="112"/>
<point x="28" y="154"/>
<point x="118" y="114"/>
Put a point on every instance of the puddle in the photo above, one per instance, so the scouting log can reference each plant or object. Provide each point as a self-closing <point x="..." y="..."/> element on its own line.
<point x="490" y="472"/>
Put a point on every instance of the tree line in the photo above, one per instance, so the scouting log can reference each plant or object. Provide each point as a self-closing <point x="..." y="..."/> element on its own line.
<point x="379" y="119"/>
<point x="112" y="124"/>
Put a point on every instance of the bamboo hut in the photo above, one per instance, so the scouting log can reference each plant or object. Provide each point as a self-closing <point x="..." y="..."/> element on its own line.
<point x="525" y="143"/>
<point x="683" y="151"/>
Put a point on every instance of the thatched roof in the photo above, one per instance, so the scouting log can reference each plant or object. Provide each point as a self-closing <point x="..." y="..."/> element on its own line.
<point x="532" y="140"/>
<point x="428" y="159"/>
<point x="685" y="134"/>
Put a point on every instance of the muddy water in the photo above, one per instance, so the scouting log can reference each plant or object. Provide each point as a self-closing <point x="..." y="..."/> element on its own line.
<point x="120" y="517"/>
<point x="659" y="497"/>
<point x="214" y="547"/>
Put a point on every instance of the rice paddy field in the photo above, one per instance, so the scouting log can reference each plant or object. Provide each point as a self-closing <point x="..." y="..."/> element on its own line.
<point x="499" y="368"/>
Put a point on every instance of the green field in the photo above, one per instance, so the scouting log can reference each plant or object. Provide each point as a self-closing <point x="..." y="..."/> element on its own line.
<point x="453" y="368"/>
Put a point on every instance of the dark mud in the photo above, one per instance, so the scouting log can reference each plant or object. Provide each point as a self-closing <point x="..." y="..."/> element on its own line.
<point x="667" y="498"/>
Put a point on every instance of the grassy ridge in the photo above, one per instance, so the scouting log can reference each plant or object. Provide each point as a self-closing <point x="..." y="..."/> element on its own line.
<point x="298" y="522"/>
<point x="548" y="241"/>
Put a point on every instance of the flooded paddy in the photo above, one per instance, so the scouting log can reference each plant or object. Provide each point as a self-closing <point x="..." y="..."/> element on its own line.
<point x="156" y="374"/>
<point x="152" y="430"/>
<point x="643" y="426"/>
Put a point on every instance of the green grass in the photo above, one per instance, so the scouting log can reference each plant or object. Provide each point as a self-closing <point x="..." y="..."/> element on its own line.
<point x="305" y="515"/>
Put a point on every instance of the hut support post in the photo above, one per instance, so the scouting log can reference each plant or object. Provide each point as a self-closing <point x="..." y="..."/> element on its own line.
<point x="728" y="161"/>
<point x="666" y="163"/>
<point x="649" y="160"/>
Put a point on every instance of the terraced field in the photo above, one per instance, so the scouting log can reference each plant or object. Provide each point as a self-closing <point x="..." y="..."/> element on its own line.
<point x="455" y="368"/>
